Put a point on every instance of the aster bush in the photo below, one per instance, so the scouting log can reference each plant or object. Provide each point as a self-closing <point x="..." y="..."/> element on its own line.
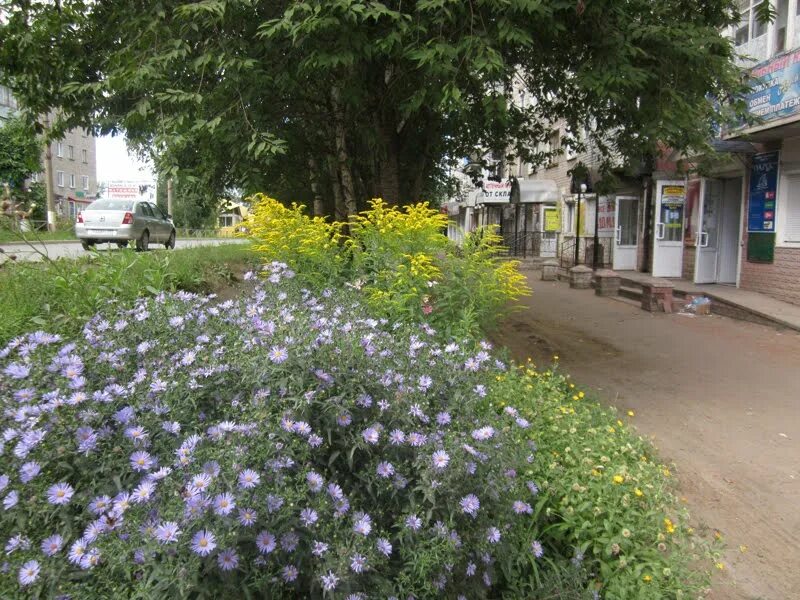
<point x="284" y="445"/>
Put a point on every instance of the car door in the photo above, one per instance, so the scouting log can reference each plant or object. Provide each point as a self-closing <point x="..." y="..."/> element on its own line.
<point x="151" y="222"/>
<point x="160" y="222"/>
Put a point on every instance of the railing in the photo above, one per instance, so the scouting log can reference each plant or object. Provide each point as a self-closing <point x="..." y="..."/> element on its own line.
<point x="566" y="255"/>
<point x="206" y="232"/>
<point x="531" y="244"/>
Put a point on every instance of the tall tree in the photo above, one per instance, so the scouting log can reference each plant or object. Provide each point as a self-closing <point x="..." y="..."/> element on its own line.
<point x="377" y="96"/>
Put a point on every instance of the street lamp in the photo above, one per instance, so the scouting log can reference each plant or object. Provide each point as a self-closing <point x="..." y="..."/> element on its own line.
<point x="581" y="190"/>
<point x="596" y="240"/>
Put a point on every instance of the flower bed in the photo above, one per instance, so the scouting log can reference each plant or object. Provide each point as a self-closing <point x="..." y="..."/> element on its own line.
<point x="286" y="445"/>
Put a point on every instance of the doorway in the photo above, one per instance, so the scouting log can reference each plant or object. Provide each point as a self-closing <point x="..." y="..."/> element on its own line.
<point x="718" y="238"/>
<point x="668" y="238"/>
<point x="626" y="233"/>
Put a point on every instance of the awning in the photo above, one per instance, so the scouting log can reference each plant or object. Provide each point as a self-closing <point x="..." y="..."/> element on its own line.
<point x="536" y="191"/>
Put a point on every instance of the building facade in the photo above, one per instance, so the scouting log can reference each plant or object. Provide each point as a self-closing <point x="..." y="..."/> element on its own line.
<point x="74" y="165"/>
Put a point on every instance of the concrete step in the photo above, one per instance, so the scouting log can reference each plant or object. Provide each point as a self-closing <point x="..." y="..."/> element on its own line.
<point x="631" y="293"/>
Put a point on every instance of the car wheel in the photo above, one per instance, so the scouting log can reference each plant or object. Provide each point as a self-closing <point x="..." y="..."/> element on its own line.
<point x="170" y="243"/>
<point x="122" y="244"/>
<point x="143" y="243"/>
<point x="87" y="244"/>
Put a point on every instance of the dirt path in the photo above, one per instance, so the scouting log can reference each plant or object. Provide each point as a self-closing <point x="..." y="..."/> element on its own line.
<point x="720" y="398"/>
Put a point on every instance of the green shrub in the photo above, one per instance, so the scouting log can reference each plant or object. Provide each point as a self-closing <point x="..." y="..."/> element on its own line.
<point x="604" y="494"/>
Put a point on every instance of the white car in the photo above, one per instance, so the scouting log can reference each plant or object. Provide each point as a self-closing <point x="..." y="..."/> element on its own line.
<point x="120" y="221"/>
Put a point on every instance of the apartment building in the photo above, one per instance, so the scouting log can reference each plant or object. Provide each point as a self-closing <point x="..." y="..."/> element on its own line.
<point x="74" y="162"/>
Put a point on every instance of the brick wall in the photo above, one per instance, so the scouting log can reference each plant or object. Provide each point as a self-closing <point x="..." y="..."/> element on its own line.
<point x="781" y="279"/>
<point x="689" y="256"/>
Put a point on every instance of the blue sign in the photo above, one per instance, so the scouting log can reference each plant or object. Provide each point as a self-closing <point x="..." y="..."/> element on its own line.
<point x="763" y="192"/>
<point x="776" y="88"/>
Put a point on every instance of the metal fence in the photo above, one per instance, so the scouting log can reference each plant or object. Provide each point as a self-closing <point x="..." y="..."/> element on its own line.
<point x="586" y="252"/>
<point x="531" y="244"/>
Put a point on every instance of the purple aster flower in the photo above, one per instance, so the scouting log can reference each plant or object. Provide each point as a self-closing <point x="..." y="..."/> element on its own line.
<point x="211" y="468"/>
<point x="167" y="532"/>
<point x="536" y="548"/>
<point x="413" y="522"/>
<point x="100" y="504"/>
<point x="384" y="546"/>
<point x="77" y="551"/>
<point x="344" y="420"/>
<point x="289" y="541"/>
<point x="274" y="503"/>
<point x="314" y="440"/>
<point x="425" y="382"/>
<point x="265" y="542"/>
<point x="90" y="559"/>
<point x="228" y="559"/>
<point x="143" y="492"/>
<point x="29" y="470"/>
<point x="443" y="418"/>
<point x="523" y="423"/>
<point x="385" y="469"/>
<point x="141" y="461"/>
<point x="249" y="479"/>
<point x="203" y="542"/>
<point x="308" y="516"/>
<point x="329" y="581"/>
<point x="319" y="548"/>
<point x="278" y="354"/>
<point x="484" y="433"/>
<point x="470" y="505"/>
<point x="471" y="568"/>
<point x="493" y="535"/>
<point x="289" y="573"/>
<point x="522" y="507"/>
<point x="29" y="573"/>
<point x="52" y="545"/>
<point x="362" y="524"/>
<point x="480" y="390"/>
<point x="247" y="517"/>
<point x="224" y="504"/>
<point x="335" y="491"/>
<point x="314" y="481"/>
<point x="302" y="428"/>
<point x="440" y="460"/>
<point x="17" y="371"/>
<point x="60" y="493"/>
<point x="371" y="435"/>
<point x="358" y="563"/>
<point x="416" y="439"/>
<point x="397" y="437"/>
<point x="532" y="487"/>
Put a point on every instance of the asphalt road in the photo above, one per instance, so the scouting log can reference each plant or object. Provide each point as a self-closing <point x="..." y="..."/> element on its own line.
<point x="719" y="397"/>
<point x="73" y="249"/>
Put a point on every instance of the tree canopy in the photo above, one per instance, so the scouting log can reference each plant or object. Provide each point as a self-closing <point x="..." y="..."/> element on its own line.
<point x="20" y="152"/>
<point x="335" y="101"/>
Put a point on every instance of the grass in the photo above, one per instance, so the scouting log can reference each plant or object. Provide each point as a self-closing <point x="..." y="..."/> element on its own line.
<point x="59" y="296"/>
<point x="35" y="236"/>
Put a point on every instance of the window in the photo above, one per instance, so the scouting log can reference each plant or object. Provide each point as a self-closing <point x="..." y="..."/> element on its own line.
<point x="60" y="178"/>
<point x="85" y="181"/>
<point x="569" y="218"/>
<point x="789" y="212"/>
<point x="60" y="149"/>
<point x="72" y="180"/>
<point x="73" y="212"/>
<point x="749" y="27"/>
<point x="553" y="146"/>
<point x="84" y="156"/>
<point x="71" y="152"/>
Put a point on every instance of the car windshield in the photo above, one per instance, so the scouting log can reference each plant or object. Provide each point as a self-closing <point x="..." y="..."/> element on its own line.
<point x="111" y="205"/>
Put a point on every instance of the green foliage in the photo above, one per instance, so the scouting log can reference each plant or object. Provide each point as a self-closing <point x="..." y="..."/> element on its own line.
<point x="378" y="95"/>
<point x="59" y="296"/>
<point x="605" y="495"/>
<point x="20" y="152"/>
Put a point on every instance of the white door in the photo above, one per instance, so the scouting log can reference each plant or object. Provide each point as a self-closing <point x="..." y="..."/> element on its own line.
<point x="549" y="233"/>
<point x="730" y="227"/>
<point x="708" y="236"/>
<point x="626" y="233"/>
<point x="668" y="230"/>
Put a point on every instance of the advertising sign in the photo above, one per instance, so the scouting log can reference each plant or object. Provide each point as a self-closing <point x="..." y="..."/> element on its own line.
<point x="776" y="88"/>
<point x="763" y="192"/>
<point x="551" y="219"/>
<point x="605" y="219"/>
<point x="495" y="192"/>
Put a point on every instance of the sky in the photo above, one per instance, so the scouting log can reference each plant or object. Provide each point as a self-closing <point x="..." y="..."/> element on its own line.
<point x="114" y="162"/>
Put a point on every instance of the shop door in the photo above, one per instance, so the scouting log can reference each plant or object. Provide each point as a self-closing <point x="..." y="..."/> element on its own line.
<point x="626" y="233"/>
<point x="708" y="237"/>
<point x="550" y="225"/>
<point x="718" y="239"/>
<point x="668" y="238"/>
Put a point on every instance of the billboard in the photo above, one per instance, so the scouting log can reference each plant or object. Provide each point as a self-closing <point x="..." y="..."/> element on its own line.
<point x="776" y="88"/>
<point x="130" y="190"/>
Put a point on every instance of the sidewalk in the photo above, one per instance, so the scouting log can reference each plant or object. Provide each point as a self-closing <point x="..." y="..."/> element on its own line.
<point x="760" y="305"/>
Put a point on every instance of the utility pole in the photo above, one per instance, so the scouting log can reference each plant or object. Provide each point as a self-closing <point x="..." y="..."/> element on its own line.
<point x="48" y="179"/>
<point x="169" y="196"/>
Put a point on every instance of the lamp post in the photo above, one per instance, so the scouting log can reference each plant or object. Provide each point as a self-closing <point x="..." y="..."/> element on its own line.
<point x="596" y="240"/>
<point x="581" y="190"/>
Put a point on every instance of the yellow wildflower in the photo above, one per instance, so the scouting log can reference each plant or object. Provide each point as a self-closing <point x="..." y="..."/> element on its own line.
<point x="638" y="492"/>
<point x="618" y="479"/>
<point x="631" y="413"/>
<point x="742" y="548"/>
<point x="669" y="526"/>
<point x="647" y="579"/>
<point x="720" y="566"/>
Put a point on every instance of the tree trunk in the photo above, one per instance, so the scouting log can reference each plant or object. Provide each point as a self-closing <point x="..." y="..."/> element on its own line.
<point x="388" y="167"/>
<point x="342" y="157"/>
<point x="339" y="208"/>
<point x="313" y="175"/>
